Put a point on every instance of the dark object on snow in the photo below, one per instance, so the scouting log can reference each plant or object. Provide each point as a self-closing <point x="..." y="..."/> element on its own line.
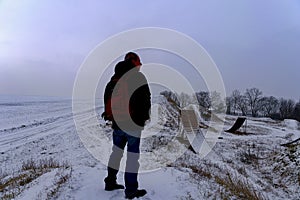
<point x="238" y="123"/>
<point x="290" y="143"/>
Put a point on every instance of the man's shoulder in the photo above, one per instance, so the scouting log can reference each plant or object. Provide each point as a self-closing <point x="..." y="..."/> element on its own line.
<point x="139" y="75"/>
<point x="140" y="79"/>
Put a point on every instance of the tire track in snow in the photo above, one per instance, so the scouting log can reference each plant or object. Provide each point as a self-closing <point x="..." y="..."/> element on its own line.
<point x="52" y="126"/>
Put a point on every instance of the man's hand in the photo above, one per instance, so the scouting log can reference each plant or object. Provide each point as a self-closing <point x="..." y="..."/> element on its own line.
<point x="103" y="115"/>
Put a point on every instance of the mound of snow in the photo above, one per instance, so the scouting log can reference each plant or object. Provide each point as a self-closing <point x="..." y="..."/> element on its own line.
<point x="291" y="124"/>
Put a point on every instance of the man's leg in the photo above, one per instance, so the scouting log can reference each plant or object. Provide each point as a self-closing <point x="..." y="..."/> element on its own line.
<point x="119" y="142"/>
<point x="132" y="167"/>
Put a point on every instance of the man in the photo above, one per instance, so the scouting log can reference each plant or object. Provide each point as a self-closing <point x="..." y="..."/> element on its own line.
<point x="128" y="131"/>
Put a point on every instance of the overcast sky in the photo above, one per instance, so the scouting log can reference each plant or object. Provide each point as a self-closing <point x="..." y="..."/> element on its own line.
<point x="255" y="43"/>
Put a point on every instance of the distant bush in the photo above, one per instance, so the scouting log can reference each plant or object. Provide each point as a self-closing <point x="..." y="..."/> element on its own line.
<point x="276" y="116"/>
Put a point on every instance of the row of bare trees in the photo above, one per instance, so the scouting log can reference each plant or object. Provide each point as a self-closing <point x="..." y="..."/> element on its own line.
<point x="253" y="103"/>
<point x="250" y="103"/>
<point x="205" y="100"/>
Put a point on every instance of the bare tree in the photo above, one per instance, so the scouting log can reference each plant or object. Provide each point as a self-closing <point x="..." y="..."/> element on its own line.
<point x="269" y="105"/>
<point x="236" y="95"/>
<point x="242" y="104"/>
<point x="237" y="102"/>
<point x="217" y="102"/>
<point x="204" y="99"/>
<point x="232" y="102"/>
<point x="286" y="108"/>
<point x="228" y="105"/>
<point x="253" y="96"/>
<point x="297" y="111"/>
<point x="171" y="96"/>
<point x="185" y="99"/>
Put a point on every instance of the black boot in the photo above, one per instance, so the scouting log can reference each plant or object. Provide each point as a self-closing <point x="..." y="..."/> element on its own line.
<point x="137" y="194"/>
<point x="111" y="184"/>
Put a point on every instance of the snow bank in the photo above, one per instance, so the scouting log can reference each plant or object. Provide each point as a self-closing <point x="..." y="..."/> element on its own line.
<point x="291" y="124"/>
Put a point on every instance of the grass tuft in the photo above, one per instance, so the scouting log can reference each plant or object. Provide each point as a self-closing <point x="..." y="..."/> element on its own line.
<point x="239" y="187"/>
<point x="12" y="186"/>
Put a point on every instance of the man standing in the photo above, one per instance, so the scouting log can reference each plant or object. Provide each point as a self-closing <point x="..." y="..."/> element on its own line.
<point x="127" y="130"/>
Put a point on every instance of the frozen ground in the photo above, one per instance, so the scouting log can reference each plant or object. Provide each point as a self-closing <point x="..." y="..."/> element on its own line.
<point x="35" y="129"/>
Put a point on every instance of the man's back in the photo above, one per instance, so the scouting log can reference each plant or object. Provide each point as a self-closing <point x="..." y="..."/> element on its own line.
<point x="130" y="79"/>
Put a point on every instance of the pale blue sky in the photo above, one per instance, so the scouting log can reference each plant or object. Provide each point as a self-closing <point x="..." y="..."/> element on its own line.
<point x="255" y="43"/>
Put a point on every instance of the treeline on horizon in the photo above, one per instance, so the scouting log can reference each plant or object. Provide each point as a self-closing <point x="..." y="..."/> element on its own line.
<point x="250" y="103"/>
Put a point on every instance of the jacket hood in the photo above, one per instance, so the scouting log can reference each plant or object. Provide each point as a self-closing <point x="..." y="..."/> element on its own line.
<point x="123" y="67"/>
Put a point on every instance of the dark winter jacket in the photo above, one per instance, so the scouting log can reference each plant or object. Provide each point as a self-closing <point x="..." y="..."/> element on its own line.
<point x="140" y="100"/>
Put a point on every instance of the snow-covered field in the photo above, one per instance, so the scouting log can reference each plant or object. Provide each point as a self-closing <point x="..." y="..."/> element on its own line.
<point x="42" y="129"/>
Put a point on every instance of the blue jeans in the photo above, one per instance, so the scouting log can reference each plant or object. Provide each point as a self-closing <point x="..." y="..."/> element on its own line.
<point x="120" y="138"/>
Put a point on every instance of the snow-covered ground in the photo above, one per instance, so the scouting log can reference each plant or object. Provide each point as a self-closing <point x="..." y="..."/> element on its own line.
<point x="36" y="128"/>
